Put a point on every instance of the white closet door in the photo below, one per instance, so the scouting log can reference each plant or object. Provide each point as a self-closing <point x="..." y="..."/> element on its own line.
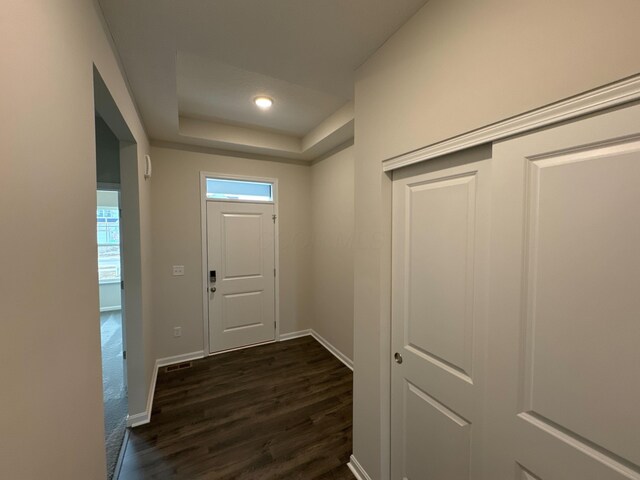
<point x="564" y="351"/>
<point x="440" y="257"/>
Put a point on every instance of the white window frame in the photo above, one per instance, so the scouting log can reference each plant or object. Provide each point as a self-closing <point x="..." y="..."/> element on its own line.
<point x="269" y="181"/>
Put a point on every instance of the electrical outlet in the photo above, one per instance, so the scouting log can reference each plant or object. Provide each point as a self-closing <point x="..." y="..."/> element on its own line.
<point x="177" y="331"/>
<point x="178" y="270"/>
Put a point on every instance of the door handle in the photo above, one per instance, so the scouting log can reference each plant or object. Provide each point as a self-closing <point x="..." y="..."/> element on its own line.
<point x="213" y="289"/>
<point x="397" y="357"/>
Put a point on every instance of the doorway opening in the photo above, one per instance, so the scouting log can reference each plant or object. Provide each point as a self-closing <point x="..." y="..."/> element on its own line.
<point x="112" y="331"/>
<point x="120" y="273"/>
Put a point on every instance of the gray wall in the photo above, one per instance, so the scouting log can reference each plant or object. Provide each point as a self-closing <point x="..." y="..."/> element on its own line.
<point x="107" y="154"/>
<point x="177" y="241"/>
<point x="456" y="66"/>
<point x="316" y="218"/>
<point x="51" y="416"/>
<point x="332" y="217"/>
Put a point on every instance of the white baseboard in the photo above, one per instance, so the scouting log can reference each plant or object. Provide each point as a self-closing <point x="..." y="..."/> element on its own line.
<point x="291" y="335"/>
<point x="142" y="418"/>
<point x="337" y="353"/>
<point x="185" y="357"/>
<point x="138" y="419"/>
<point x="322" y="341"/>
<point x="357" y="469"/>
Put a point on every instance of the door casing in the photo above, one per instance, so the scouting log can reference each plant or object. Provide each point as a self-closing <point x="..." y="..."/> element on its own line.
<point x="203" y="229"/>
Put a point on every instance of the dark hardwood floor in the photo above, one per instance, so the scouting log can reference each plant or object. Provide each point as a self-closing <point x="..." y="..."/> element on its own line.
<point x="277" y="411"/>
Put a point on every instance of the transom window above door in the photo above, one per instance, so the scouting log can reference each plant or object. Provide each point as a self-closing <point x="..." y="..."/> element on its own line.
<point x="242" y="190"/>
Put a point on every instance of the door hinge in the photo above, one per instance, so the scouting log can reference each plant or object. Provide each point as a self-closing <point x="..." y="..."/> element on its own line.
<point x="121" y="284"/>
<point x="124" y="354"/>
<point x="274" y="216"/>
<point x="274" y="272"/>
<point x="120" y="213"/>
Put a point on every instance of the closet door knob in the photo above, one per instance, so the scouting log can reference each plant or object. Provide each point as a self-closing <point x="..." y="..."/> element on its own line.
<point x="398" y="357"/>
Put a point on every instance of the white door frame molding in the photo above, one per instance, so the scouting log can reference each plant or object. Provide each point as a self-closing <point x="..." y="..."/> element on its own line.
<point x="203" y="229"/>
<point x="611" y="95"/>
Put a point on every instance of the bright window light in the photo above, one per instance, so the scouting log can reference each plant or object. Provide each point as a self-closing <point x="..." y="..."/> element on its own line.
<point x="108" y="223"/>
<point x="220" y="189"/>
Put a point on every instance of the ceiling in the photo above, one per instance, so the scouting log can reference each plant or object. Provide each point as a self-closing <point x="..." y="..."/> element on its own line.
<point x="195" y="66"/>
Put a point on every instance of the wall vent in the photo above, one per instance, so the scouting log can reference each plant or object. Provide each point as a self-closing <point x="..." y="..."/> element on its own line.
<point x="178" y="366"/>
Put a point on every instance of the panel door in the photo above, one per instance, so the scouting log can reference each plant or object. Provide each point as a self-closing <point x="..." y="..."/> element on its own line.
<point x="565" y="303"/>
<point x="240" y="249"/>
<point x="439" y="306"/>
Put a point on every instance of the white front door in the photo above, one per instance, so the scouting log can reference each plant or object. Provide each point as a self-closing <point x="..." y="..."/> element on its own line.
<point x="564" y="359"/>
<point x="440" y="275"/>
<point x="240" y="250"/>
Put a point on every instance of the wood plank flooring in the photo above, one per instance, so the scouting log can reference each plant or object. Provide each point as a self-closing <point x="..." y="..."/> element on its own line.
<point x="277" y="411"/>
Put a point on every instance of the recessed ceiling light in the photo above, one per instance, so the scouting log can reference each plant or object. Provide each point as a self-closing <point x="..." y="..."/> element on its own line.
<point x="263" y="102"/>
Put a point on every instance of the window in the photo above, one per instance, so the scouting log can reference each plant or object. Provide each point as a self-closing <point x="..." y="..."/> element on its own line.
<point x="220" y="189"/>
<point x="108" y="222"/>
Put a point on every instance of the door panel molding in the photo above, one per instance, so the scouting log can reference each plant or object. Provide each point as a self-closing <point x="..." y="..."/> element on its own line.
<point x="597" y="453"/>
<point x="524" y="474"/>
<point x="245" y="267"/>
<point x="442" y="350"/>
<point x="437" y="441"/>
<point x="446" y="411"/>
<point x="564" y="333"/>
<point x="440" y="363"/>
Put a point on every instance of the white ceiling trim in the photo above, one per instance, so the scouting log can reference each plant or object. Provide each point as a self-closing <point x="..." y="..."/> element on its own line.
<point x="328" y="126"/>
<point x="208" y="150"/>
<point x="331" y="132"/>
<point x="608" y="96"/>
<point x="236" y="135"/>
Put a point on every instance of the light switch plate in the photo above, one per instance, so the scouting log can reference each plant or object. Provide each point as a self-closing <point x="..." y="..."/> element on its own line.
<point x="178" y="270"/>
